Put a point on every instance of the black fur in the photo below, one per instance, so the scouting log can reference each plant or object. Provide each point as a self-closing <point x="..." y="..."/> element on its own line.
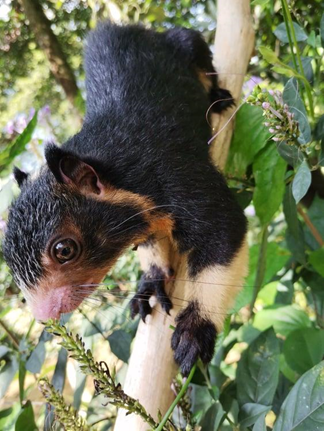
<point x="151" y="284"/>
<point x="145" y="131"/>
<point x="20" y="176"/>
<point x="193" y="337"/>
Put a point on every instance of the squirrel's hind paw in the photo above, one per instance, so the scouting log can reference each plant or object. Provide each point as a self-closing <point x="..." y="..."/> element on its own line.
<point x="194" y="337"/>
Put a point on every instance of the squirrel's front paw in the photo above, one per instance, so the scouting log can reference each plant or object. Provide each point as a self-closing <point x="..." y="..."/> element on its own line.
<point x="151" y="285"/>
<point x="194" y="337"/>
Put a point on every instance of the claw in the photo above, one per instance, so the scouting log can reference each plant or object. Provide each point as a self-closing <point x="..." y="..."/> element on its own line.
<point x="150" y="286"/>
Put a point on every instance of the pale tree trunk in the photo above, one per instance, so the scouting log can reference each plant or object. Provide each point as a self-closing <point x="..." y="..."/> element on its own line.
<point x="152" y="368"/>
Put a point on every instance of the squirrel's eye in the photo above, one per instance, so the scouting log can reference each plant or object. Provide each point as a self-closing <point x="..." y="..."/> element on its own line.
<point x="65" y="250"/>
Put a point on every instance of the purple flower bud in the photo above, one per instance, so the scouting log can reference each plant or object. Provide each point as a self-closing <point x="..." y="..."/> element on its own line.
<point x="265" y="105"/>
<point x="271" y="92"/>
<point x="278" y="127"/>
<point x="271" y="130"/>
<point x="267" y="124"/>
<point x="276" y="139"/>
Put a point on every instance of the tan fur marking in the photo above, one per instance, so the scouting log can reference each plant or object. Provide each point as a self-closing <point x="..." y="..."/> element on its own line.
<point x="120" y="196"/>
<point x="157" y="253"/>
<point x="205" y="80"/>
<point x="216" y="287"/>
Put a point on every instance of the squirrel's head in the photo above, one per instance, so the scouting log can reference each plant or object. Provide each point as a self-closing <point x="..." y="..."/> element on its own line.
<point x="66" y="230"/>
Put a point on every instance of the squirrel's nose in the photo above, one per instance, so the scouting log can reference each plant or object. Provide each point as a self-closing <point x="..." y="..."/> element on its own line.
<point x="49" y="304"/>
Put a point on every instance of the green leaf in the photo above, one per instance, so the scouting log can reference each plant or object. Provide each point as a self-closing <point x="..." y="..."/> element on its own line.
<point x="296" y="106"/>
<point x="322" y="28"/>
<point x="18" y="145"/>
<point x="283" y="319"/>
<point x="251" y="412"/>
<point x="37" y="358"/>
<point x="269" y="55"/>
<point x="120" y="342"/>
<point x="269" y="172"/>
<point x="276" y="257"/>
<point x="281" y="33"/>
<point x="316" y="258"/>
<point x="8" y="417"/>
<point x="260" y="2"/>
<point x="301" y="182"/>
<point x="258" y="370"/>
<point x="21" y="378"/>
<point x="295" y="234"/>
<point x="26" y="419"/>
<point x="260" y="424"/>
<point x="315" y="213"/>
<point x="290" y="153"/>
<point x="212" y="418"/>
<point x="304" y="348"/>
<point x="250" y="136"/>
<point x="201" y="398"/>
<point x="7" y="374"/>
<point x="319" y="129"/>
<point x="303" y="409"/>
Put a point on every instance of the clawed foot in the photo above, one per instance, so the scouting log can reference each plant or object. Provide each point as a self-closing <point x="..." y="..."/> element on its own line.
<point x="151" y="285"/>
<point x="194" y="337"/>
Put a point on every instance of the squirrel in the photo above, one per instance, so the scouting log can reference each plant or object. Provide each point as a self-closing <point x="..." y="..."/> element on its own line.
<point x="138" y="173"/>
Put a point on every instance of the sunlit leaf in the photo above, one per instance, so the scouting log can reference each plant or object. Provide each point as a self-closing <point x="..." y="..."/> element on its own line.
<point x="276" y="259"/>
<point x="18" y="145"/>
<point x="283" y="319"/>
<point x="250" y="136"/>
<point x="303" y="409"/>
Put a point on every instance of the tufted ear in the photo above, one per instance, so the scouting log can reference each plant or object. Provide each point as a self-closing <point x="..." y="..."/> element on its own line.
<point x="69" y="169"/>
<point x="20" y="176"/>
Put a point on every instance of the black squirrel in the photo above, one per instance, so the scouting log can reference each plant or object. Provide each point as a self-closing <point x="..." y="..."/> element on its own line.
<point x="138" y="172"/>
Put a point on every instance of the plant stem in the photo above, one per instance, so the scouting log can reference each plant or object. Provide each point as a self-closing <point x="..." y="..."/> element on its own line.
<point x="10" y="334"/>
<point x="301" y="71"/>
<point x="289" y="35"/>
<point x="262" y="266"/>
<point x="312" y="228"/>
<point x="177" y="399"/>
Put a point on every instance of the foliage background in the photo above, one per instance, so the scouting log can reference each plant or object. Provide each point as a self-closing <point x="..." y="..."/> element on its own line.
<point x="262" y="353"/>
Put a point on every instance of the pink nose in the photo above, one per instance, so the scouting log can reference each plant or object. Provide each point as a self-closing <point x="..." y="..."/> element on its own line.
<point x="51" y="304"/>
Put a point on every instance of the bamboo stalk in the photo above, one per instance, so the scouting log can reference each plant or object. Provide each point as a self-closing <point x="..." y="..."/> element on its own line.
<point x="152" y="368"/>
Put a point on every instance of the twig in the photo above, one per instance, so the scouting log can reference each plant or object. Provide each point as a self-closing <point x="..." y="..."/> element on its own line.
<point x="309" y="223"/>
<point x="177" y="399"/>
<point x="10" y="334"/>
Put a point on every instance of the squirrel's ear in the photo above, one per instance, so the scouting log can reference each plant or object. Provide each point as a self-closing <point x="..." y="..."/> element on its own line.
<point x="20" y="176"/>
<point x="71" y="170"/>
